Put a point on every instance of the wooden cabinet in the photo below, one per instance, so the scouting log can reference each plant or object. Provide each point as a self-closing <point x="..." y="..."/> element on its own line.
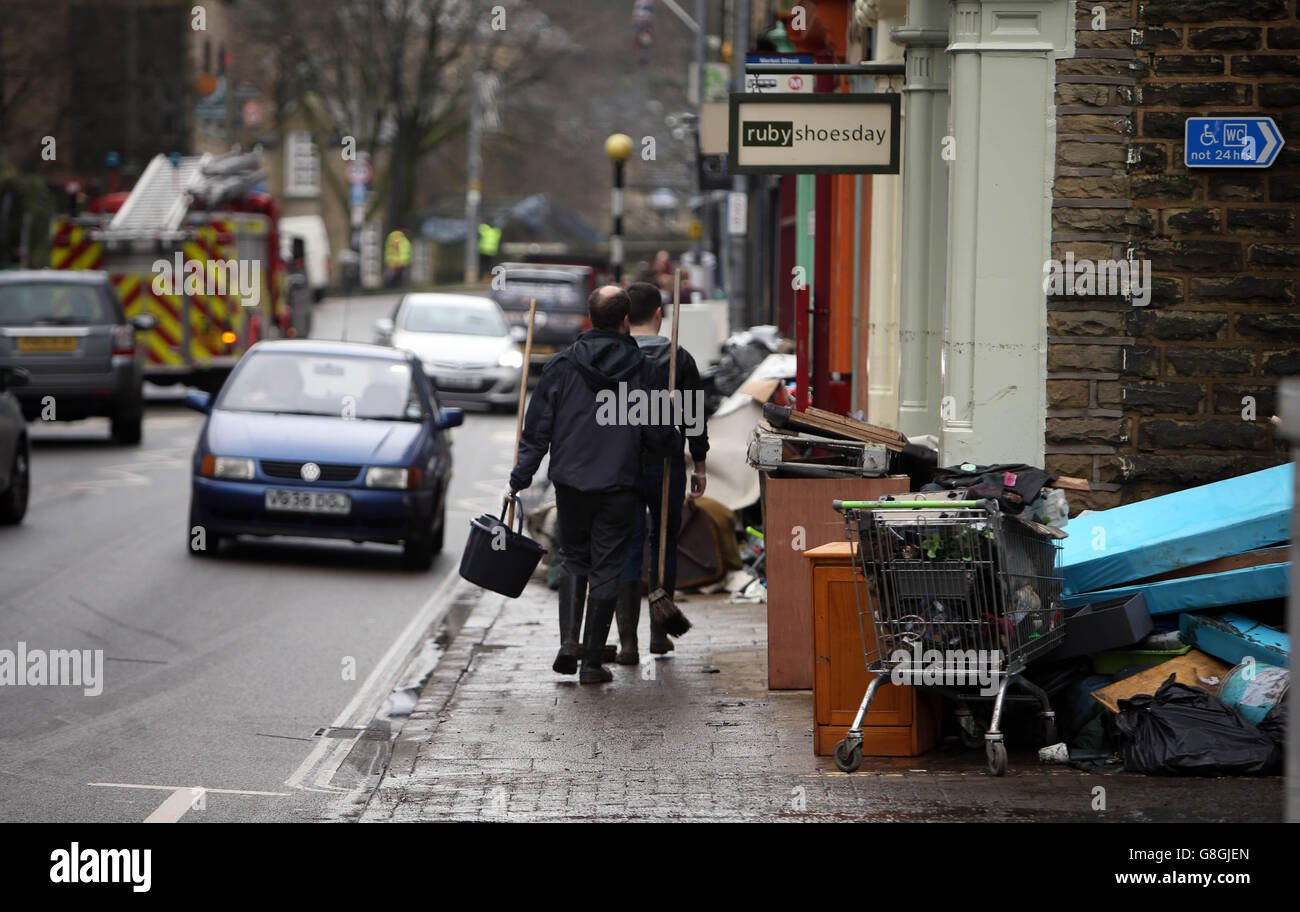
<point x="903" y="721"/>
<point x="797" y="515"/>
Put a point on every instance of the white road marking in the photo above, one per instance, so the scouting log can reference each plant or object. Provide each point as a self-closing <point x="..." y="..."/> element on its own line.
<point x="369" y="697"/>
<point x="174" y="808"/>
<point x="172" y="788"/>
<point x="182" y="798"/>
<point x="121" y="475"/>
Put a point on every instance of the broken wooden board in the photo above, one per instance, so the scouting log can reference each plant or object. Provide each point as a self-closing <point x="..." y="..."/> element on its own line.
<point x="1070" y="483"/>
<point x="1138" y="540"/>
<point x="1195" y="669"/>
<point x="1256" y="558"/>
<point x="817" y="421"/>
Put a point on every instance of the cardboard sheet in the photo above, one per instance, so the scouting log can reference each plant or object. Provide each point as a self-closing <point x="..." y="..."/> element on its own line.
<point x="1195" y="669"/>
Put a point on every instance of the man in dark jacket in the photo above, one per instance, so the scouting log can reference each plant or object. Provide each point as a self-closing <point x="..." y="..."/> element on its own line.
<point x="596" y="448"/>
<point x="646" y="318"/>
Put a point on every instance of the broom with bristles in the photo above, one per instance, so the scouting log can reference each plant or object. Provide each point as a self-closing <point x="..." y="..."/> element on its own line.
<point x="662" y="609"/>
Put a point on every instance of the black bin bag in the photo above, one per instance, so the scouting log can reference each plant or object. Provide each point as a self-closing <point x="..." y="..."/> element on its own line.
<point x="1183" y="731"/>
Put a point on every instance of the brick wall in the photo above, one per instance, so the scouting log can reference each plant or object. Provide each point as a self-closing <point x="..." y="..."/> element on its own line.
<point x="1144" y="400"/>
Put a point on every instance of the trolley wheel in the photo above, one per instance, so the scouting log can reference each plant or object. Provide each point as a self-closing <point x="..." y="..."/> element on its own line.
<point x="997" y="754"/>
<point x="1049" y="732"/>
<point x="848" y="757"/>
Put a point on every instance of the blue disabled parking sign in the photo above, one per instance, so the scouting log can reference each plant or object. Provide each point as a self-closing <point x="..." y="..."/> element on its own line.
<point x="1231" y="142"/>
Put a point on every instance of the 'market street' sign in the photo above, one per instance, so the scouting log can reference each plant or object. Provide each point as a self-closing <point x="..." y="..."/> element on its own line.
<point x="1231" y="142"/>
<point x="831" y="133"/>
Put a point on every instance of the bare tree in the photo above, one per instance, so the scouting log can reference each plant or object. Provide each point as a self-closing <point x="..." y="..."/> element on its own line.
<point x="395" y="75"/>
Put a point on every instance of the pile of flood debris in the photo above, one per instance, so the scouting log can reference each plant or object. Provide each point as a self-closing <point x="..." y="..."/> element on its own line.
<point x="1178" y="613"/>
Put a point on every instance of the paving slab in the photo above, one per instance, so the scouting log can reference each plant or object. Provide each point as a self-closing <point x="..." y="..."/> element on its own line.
<point x="696" y="735"/>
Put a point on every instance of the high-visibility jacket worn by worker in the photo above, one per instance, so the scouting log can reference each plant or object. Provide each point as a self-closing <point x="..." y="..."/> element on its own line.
<point x="397" y="250"/>
<point x="489" y="240"/>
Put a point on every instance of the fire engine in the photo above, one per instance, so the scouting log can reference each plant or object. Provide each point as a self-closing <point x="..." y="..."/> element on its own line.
<point x="179" y="246"/>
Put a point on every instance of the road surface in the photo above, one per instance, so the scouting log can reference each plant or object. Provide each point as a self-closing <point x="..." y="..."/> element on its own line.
<point x="248" y="676"/>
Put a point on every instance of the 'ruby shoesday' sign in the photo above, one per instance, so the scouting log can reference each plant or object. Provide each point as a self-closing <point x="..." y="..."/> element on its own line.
<point x="831" y="133"/>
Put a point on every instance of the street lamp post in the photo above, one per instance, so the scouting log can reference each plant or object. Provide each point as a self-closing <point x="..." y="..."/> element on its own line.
<point x="618" y="147"/>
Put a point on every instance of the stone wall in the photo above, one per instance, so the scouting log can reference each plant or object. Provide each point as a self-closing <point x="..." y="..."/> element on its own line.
<point x="1147" y="399"/>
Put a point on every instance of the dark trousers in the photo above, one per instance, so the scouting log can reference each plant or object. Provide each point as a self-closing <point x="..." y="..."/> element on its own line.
<point x="595" y="531"/>
<point x="650" y="496"/>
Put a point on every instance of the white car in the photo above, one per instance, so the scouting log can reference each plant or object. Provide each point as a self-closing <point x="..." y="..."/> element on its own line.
<point x="469" y="352"/>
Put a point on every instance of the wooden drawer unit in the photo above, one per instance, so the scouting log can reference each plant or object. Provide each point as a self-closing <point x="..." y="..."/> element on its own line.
<point x="903" y="721"/>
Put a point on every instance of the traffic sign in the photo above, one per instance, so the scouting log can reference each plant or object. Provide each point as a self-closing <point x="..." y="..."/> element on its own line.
<point x="359" y="171"/>
<point x="737" y="213"/>
<point x="252" y="113"/>
<point x="356" y="194"/>
<point x="1231" y="142"/>
<point x="783" y="82"/>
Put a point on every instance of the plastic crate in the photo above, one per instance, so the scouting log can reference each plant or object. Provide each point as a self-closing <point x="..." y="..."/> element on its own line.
<point x="1113" y="661"/>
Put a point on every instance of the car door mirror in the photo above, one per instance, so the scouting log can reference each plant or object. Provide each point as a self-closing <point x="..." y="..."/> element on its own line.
<point x="144" y="322"/>
<point x="384" y="330"/>
<point x="199" y="401"/>
<point x="450" y="418"/>
<point x="13" y="376"/>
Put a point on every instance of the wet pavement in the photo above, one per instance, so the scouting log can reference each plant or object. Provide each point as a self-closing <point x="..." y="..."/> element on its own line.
<point x="496" y="735"/>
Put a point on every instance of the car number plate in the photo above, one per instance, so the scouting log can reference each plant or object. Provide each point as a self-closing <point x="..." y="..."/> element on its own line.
<point x="47" y="343"/>
<point x="308" y="502"/>
<point x="457" y="382"/>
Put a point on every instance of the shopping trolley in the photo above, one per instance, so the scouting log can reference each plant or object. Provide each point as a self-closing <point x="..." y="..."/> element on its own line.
<point x="954" y="595"/>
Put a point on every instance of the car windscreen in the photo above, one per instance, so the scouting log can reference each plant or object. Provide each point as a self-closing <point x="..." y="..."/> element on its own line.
<point x="310" y="384"/>
<point x="56" y="304"/>
<point x="443" y="317"/>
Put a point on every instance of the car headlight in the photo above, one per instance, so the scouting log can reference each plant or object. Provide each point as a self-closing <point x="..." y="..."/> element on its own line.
<point x="512" y="358"/>
<point x="387" y="477"/>
<point x="237" y="467"/>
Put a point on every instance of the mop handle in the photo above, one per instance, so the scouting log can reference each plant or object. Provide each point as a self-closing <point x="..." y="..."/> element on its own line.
<point x="523" y="393"/>
<point x="672" y="387"/>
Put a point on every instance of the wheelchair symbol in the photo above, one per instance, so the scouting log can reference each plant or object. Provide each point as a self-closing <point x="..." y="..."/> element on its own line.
<point x="1207" y="136"/>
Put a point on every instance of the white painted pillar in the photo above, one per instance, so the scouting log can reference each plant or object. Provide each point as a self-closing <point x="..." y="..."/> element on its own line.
<point x="1003" y="120"/>
<point x="925" y="214"/>
<point x="883" y="352"/>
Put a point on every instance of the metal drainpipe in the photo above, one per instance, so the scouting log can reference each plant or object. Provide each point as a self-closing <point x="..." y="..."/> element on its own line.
<point x="1289" y="408"/>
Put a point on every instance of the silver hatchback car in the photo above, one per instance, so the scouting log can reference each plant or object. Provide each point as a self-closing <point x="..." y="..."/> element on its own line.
<point x="468" y="351"/>
<point x="67" y="329"/>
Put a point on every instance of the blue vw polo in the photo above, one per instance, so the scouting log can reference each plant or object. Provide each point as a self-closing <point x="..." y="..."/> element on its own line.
<point x="327" y="440"/>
